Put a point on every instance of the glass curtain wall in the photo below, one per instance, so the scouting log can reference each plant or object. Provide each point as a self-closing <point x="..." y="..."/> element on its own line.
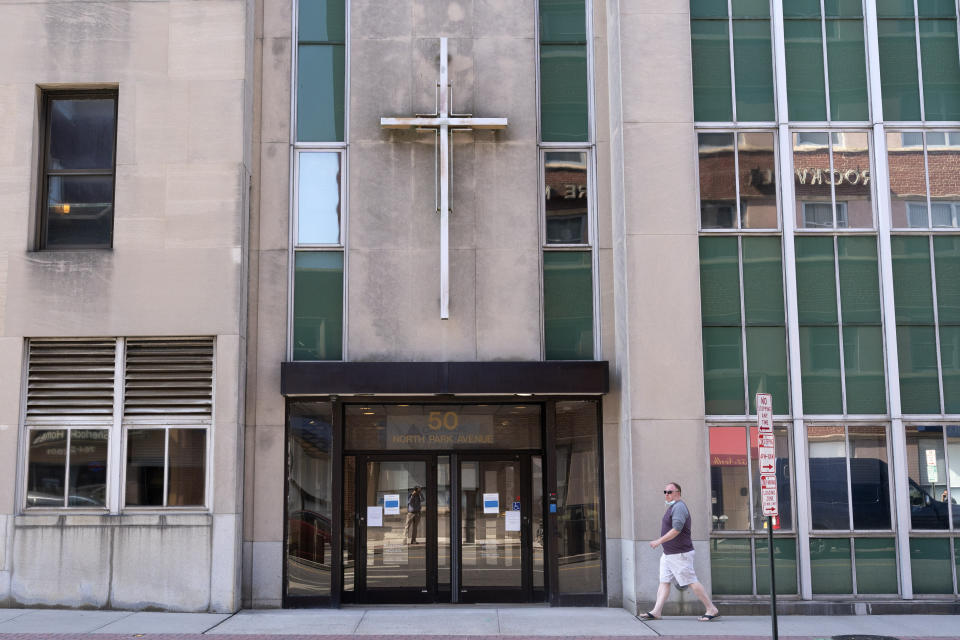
<point x="319" y="149"/>
<point x="566" y="159"/>
<point x="827" y="133"/>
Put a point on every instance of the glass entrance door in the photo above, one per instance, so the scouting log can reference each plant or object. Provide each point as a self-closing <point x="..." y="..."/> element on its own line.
<point x="397" y="529"/>
<point x="497" y="509"/>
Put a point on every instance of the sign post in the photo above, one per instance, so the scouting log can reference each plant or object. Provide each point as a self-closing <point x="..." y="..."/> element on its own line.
<point x="768" y="486"/>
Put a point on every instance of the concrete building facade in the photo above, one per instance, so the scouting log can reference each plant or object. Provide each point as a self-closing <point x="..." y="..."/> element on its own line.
<point x="301" y="356"/>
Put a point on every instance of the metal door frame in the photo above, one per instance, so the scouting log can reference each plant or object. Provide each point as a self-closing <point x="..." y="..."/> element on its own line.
<point x="525" y="592"/>
<point x="405" y="595"/>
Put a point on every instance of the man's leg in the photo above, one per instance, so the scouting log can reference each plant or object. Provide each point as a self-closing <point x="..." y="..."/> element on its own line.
<point x="663" y="592"/>
<point x="704" y="598"/>
<point x="410" y="526"/>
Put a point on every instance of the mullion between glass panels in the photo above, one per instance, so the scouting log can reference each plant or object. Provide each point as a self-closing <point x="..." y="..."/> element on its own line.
<point x="846" y="441"/>
<point x="733" y="71"/>
<point x="853" y="561"/>
<point x="926" y="180"/>
<point x="166" y="465"/>
<point x="936" y="319"/>
<point x="736" y="179"/>
<point x="843" y="370"/>
<point x="743" y="331"/>
<point x="946" y="463"/>
<point x="826" y="61"/>
<point x="833" y="186"/>
<point x="66" y="470"/>
<point x="916" y="41"/>
<point x="750" y="463"/>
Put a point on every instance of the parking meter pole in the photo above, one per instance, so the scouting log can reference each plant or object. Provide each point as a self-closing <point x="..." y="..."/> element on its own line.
<point x="773" y="584"/>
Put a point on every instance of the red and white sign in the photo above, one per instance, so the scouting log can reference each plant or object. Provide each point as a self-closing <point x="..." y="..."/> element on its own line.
<point x="768" y="494"/>
<point x="768" y="454"/>
<point x="765" y="412"/>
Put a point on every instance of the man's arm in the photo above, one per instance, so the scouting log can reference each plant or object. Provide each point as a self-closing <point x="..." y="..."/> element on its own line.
<point x="667" y="537"/>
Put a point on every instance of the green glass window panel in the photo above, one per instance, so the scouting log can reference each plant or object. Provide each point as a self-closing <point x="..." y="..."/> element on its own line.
<point x="751" y="8"/>
<point x="843" y="8"/>
<point x="563" y="92"/>
<point x="568" y="305"/>
<point x="863" y="368"/>
<point x="898" y="69"/>
<point x="321" y="21"/>
<point x="318" y="306"/>
<point x="801" y="8"/>
<point x="876" y="560"/>
<point x="830" y="570"/>
<point x="816" y="281"/>
<point x="820" y="369"/>
<point x="708" y="8"/>
<point x="936" y="9"/>
<point x="719" y="281"/>
<point x="753" y="68"/>
<point x="950" y="367"/>
<point x="917" y="355"/>
<point x="804" y="54"/>
<point x="895" y="8"/>
<point x="730" y="566"/>
<point x="784" y="565"/>
<point x="320" y="97"/>
<point x="762" y="281"/>
<point x="563" y="21"/>
<point x="847" y="67"/>
<point x="723" y="371"/>
<point x="711" y="71"/>
<point x="859" y="279"/>
<point x="941" y="69"/>
<point x="946" y="256"/>
<point x="767" y="366"/>
<point x="912" y="288"/>
<point x="930" y="565"/>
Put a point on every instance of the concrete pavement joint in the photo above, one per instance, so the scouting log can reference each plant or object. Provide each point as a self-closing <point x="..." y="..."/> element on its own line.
<point x="107" y="624"/>
<point x="230" y="617"/>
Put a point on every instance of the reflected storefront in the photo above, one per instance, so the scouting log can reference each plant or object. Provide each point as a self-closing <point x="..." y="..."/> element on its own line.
<point x="405" y="500"/>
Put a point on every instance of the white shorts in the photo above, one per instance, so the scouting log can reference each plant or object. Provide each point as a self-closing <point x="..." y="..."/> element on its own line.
<point x="679" y="567"/>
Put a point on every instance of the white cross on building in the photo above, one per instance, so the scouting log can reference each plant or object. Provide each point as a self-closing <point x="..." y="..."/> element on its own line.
<point x="442" y="121"/>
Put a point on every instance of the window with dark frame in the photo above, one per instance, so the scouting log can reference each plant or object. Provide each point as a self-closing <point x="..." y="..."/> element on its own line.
<point x="78" y="166"/>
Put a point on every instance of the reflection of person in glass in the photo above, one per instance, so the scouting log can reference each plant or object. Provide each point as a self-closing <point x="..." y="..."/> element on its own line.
<point x="945" y="495"/>
<point x="414" y="503"/>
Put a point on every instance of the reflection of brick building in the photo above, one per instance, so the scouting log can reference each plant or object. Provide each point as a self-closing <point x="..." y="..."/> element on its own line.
<point x="718" y="187"/>
<point x="566" y="202"/>
<point x="908" y="189"/>
<point x="850" y="180"/>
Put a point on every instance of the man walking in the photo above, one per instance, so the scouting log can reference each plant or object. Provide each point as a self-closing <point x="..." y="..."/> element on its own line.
<point x="676" y="563"/>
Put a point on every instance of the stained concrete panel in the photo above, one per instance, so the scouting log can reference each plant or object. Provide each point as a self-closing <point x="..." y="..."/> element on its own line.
<point x="508" y="196"/>
<point x="381" y="85"/>
<point x="660" y="88"/>
<point x="394" y="311"/>
<point x="508" y="304"/>
<point x="505" y="87"/>
<point x="158" y="110"/>
<point x="661" y="269"/>
<point x="226" y="556"/>
<point x="267" y="572"/>
<point x="216" y="120"/>
<point x="62" y="566"/>
<point x="659" y="188"/>
<point x="517" y="18"/>
<point x="173" y="575"/>
<point x="380" y="20"/>
<point x="16" y="141"/>
<point x="205" y="41"/>
<point x="270" y="474"/>
<point x="274" y="101"/>
<point x="433" y="18"/>
<point x="271" y="345"/>
<point x="276" y="18"/>
<point x="383" y="213"/>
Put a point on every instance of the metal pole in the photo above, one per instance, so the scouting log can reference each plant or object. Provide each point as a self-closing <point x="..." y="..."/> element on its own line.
<point x="773" y="584"/>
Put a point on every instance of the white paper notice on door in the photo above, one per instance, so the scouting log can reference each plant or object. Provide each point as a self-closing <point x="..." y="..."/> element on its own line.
<point x="375" y="516"/>
<point x="491" y="503"/>
<point x="513" y="520"/>
<point x="391" y="504"/>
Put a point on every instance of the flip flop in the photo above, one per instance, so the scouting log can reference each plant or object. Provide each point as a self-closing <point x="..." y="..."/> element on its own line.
<point x="646" y="617"/>
<point x="707" y="618"/>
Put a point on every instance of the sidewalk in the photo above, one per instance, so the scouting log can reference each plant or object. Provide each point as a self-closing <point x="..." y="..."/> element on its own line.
<point x="476" y="622"/>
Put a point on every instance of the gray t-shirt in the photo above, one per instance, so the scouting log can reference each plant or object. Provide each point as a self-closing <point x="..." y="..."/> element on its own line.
<point x="679" y="515"/>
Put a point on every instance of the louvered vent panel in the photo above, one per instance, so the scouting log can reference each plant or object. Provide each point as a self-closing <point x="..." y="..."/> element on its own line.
<point x="70" y="380"/>
<point x="169" y="378"/>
